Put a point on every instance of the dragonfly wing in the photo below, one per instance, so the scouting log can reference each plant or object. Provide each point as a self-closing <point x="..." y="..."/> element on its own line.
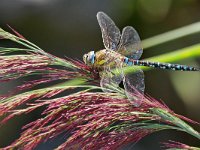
<point x="134" y="86"/>
<point x="110" y="32"/>
<point x="110" y="83"/>
<point x="110" y="80"/>
<point x="130" y="43"/>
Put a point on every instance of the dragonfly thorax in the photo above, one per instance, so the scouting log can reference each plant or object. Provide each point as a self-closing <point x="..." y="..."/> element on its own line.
<point x="106" y="58"/>
<point x="101" y="58"/>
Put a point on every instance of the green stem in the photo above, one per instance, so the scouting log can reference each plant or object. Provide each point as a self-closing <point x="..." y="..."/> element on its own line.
<point x="171" y="35"/>
<point x="185" y="53"/>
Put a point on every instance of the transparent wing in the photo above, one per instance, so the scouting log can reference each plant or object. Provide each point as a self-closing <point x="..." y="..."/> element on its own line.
<point x="134" y="86"/>
<point x="130" y="43"/>
<point x="110" y="32"/>
<point x="110" y="80"/>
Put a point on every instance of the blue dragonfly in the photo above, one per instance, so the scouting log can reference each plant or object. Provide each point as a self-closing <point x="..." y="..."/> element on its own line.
<point x="123" y="50"/>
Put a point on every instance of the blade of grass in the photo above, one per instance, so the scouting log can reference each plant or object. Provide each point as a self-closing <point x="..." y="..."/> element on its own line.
<point x="177" y="121"/>
<point x="171" y="35"/>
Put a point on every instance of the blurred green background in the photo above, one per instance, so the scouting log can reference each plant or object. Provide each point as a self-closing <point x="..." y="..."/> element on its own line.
<point x="69" y="28"/>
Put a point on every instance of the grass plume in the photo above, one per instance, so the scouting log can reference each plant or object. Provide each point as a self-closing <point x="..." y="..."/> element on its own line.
<point x="94" y="119"/>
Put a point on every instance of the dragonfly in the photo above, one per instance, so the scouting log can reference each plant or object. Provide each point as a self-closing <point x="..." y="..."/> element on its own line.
<point x="121" y="50"/>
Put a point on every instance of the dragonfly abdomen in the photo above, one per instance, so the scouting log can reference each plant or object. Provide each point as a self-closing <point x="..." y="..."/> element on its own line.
<point x="131" y="62"/>
<point x="168" y="66"/>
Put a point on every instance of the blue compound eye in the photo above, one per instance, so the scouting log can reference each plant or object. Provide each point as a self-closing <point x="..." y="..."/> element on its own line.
<point x="92" y="57"/>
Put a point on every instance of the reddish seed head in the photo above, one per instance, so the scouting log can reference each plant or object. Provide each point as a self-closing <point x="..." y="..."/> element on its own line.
<point x="94" y="120"/>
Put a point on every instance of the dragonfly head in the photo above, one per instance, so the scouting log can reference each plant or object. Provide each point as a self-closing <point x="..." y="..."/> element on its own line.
<point x="89" y="58"/>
